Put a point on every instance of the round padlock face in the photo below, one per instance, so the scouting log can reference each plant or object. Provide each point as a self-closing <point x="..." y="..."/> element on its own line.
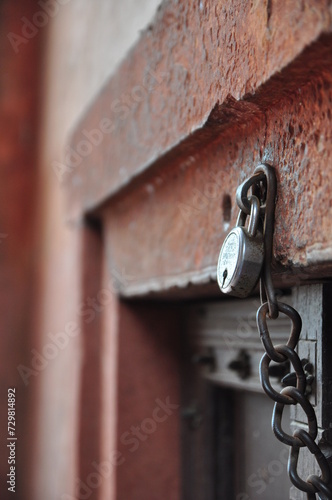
<point x="228" y="260"/>
<point x="240" y="262"/>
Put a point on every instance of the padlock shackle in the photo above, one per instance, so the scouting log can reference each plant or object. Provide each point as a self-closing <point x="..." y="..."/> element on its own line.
<point x="253" y="218"/>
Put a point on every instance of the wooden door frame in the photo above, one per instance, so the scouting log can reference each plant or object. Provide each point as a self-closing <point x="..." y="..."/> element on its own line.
<point x="168" y="139"/>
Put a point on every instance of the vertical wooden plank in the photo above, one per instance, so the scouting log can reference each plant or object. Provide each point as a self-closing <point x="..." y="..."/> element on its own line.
<point x="313" y="302"/>
<point x="261" y="460"/>
<point x="208" y="446"/>
<point x="198" y="426"/>
<point x="19" y="100"/>
<point x="225" y="443"/>
<point x="308" y="302"/>
<point x="326" y="442"/>
<point x="109" y="385"/>
<point x="89" y="446"/>
<point x="326" y="359"/>
<point x="148" y="402"/>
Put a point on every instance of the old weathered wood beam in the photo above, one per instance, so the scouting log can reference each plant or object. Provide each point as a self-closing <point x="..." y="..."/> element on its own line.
<point x="166" y="229"/>
<point x="191" y="58"/>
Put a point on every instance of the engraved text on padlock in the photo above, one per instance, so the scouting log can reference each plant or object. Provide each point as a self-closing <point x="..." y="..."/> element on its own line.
<point x="242" y="254"/>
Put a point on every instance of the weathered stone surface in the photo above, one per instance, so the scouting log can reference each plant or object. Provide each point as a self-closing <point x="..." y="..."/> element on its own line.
<point x="166" y="229"/>
<point x="192" y="57"/>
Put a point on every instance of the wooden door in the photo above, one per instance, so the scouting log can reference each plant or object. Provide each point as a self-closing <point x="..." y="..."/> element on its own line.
<point x="209" y="91"/>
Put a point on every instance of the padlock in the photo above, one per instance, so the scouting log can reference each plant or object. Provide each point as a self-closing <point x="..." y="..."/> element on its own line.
<point x="242" y="254"/>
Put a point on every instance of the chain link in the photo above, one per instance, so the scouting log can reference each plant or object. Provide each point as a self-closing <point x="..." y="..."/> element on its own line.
<point x="263" y="185"/>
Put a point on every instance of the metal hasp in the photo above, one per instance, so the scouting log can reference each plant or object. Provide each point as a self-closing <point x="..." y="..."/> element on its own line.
<point x="263" y="187"/>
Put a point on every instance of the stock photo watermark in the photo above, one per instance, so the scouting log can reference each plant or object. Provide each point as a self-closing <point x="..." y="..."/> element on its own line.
<point x="259" y="481"/>
<point x="11" y="439"/>
<point x="120" y="110"/>
<point x="88" y="310"/>
<point x="131" y="439"/>
<point x="30" y="27"/>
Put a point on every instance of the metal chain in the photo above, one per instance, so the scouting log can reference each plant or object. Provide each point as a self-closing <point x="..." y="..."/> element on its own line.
<point x="263" y="185"/>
